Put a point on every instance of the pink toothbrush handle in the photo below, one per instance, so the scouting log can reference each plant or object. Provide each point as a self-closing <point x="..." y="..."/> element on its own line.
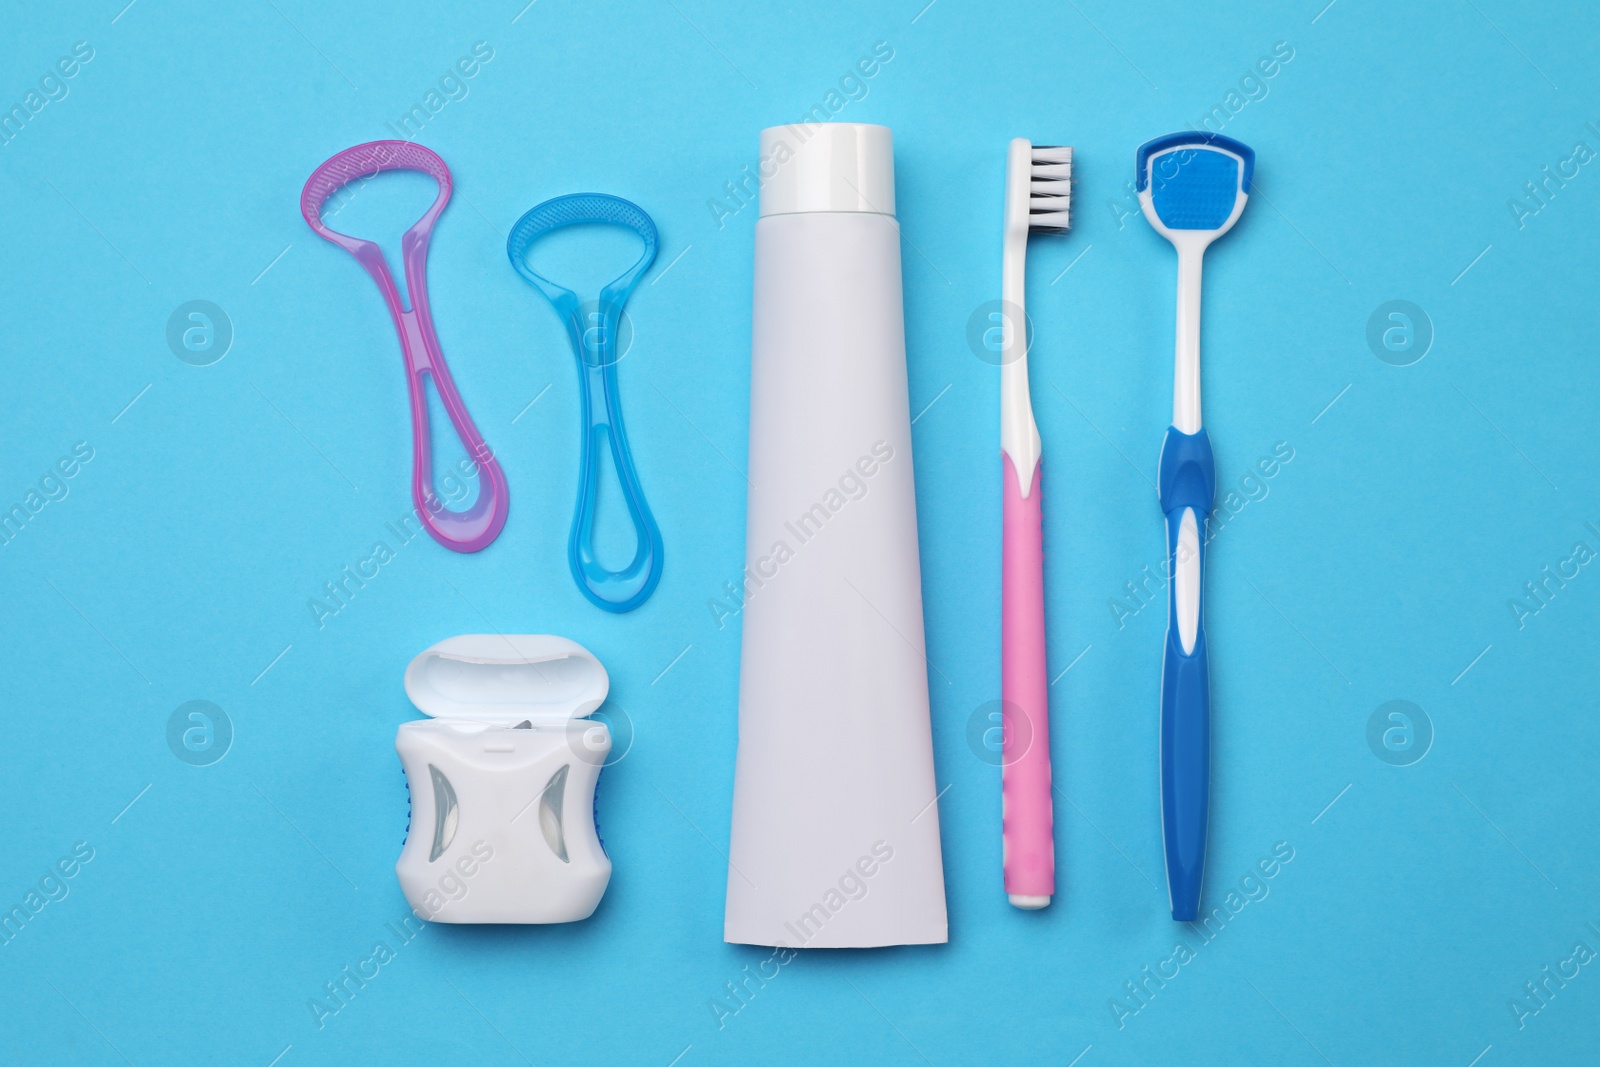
<point x="1027" y="816"/>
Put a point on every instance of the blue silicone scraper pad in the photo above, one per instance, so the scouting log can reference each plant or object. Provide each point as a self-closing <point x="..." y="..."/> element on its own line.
<point x="1194" y="178"/>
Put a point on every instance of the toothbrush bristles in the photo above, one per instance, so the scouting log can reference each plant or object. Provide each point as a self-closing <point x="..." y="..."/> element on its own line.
<point x="1050" y="189"/>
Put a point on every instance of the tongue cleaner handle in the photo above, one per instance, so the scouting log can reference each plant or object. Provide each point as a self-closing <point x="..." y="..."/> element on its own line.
<point x="593" y="336"/>
<point x="1187" y="481"/>
<point x="475" y="527"/>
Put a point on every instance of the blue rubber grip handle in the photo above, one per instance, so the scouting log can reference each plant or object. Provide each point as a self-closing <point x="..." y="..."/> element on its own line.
<point x="1187" y="483"/>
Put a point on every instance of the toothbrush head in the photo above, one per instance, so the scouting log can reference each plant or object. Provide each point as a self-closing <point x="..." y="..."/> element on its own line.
<point x="1050" y="189"/>
<point x="1038" y="187"/>
<point x="1193" y="185"/>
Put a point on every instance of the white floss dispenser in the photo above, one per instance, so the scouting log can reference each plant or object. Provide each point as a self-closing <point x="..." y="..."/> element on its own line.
<point x="835" y="836"/>
<point x="502" y="781"/>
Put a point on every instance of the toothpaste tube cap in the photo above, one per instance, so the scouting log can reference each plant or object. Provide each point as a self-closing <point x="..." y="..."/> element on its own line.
<point x="827" y="166"/>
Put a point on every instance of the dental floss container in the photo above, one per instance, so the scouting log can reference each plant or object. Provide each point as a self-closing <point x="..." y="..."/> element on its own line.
<point x="835" y="835"/>
<point x="502" y="780"/>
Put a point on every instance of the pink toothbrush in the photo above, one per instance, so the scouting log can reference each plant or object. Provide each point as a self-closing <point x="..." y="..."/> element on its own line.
<point x="1038" y="188"/>
<point x="474" y="527"/>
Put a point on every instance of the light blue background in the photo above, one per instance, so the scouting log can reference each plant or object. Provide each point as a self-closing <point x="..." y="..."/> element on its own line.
<point x="1379" y="565"/>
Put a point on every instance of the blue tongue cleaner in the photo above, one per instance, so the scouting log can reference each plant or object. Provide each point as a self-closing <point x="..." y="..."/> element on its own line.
<point x="1194" y="179"/>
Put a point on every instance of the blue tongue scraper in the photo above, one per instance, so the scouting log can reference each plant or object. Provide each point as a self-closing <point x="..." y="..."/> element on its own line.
<point x="1192" y="187"/>
<point x="593" y="335"/>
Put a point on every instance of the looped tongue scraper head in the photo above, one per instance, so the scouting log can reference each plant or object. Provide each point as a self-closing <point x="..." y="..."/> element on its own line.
<point x="1193" y="186"/>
